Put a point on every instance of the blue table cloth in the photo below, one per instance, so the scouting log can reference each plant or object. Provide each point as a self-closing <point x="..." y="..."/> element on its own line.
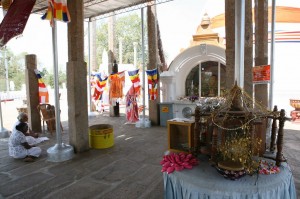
<point x="204" y="182"/>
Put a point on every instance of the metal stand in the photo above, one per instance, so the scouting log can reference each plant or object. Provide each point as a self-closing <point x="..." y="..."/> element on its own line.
<point x="59" y="152"/>
<point x="143" y="121"/>
<point x="4" y="133"/>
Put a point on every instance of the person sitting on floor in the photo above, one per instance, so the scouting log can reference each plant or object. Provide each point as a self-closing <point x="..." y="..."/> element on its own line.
<point x="23" y="117"/>
<point x="31" y="137"/>
<point x="18" y="146"/>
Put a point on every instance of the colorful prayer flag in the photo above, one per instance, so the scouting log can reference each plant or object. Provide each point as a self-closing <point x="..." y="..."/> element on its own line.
<point x="152" y="83"/>
<point x="99" y="86"/>
<point x="117" y="82"/>
<point x="122" y="78"/>
<point x="43" y="91"/>
<point x="135" y="79"/>
<point x="58" y="10"/>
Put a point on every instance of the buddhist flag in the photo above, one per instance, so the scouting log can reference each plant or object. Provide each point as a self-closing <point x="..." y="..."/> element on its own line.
<point x="135" y="79"/>
<point x="99" y="86"/>
<point x="122" y="78"/>
<point x="58" y="10"/>
<point x="43" y="91"/>
<point x="152" y="83"/>
<point x="117" y="82"/>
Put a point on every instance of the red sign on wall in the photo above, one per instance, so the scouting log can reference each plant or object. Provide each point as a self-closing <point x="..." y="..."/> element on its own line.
<point x="261" y="74"/>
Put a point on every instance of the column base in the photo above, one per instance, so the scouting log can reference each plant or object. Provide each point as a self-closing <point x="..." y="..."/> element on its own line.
<point x="4" y="133"/>
<point x="60" y="153"/>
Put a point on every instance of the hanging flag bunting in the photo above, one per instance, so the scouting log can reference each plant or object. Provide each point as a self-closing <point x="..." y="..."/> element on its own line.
<point x="152" y="83"/>
<point x="135" y="79"/>
<point x="99" y="85"/>
<point x="57" y="10"/>
<point x="43" y="91"/>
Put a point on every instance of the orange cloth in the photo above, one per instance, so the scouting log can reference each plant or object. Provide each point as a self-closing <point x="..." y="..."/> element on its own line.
<point x="117" y="82"/>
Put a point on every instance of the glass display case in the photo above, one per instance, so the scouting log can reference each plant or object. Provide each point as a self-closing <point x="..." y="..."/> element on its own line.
<point x="180" y="135"/>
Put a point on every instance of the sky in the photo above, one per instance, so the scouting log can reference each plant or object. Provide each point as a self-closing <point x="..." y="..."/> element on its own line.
<point x="178" y="21"/>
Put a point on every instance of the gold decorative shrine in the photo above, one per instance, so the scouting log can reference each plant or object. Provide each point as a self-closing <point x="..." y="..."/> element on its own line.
<point x="230" y="130"/>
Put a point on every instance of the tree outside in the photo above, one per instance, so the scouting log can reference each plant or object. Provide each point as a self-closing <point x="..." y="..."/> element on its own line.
<point x="127" y="27"/>
<point x="16" y="68"/>
<point x="16" y="72"/>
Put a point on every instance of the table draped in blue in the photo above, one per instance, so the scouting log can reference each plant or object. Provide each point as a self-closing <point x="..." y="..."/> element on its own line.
<point x="204" y="182"/>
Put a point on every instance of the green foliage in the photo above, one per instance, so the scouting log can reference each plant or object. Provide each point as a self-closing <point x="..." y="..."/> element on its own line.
<point x="49" y="77"/>
<point x="16" y="71"/>
<point x="62" y="77"/>
<point x="128" y="28"/>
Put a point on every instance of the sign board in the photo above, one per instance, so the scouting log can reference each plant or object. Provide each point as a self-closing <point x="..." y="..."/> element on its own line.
<point x="165" y="109"/>
<point x="261" y="74"/>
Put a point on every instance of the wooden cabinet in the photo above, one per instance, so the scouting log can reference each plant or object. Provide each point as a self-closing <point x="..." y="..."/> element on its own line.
<point x="180" y="135"/>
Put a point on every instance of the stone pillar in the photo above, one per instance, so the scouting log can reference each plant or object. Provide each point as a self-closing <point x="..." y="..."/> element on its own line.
<point x="261" y="58"/>
<point x="32" y="93"/>
<point x="112" y="68"/>
<point x="111" y="43"/>
<point x="153" y="60"/>
<point x="230" y="42"/>
<point x="230" y="45"/>
<point x="248" y="58"/>
<point x="134" y="54"/>
<point x="120" y="50"/>
<point x="77" y="79"/>
<point x="261" y="46"/>
<point x="94" y="64"/>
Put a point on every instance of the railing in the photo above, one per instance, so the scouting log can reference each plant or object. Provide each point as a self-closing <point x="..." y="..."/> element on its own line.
<point x="12" y="95"/>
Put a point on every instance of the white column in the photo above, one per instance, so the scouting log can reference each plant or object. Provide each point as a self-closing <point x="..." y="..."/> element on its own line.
<point x="239" y="41"/>
<point x="89" y="67"/>
<point x="120" y="50"/>
<point x="134" y="54"/>
<point x="167" y="80"/>
<point x="200" y="76"/>
<point x="272" y="68"/>
<point x="6" y="73"/>
<point x="219" y="78"/>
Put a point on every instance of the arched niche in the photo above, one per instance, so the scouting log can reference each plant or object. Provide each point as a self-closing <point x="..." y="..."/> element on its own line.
<point x="186" y="61"/>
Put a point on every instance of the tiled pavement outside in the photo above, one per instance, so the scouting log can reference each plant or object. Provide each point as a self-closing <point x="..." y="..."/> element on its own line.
<point x="130" y="169"/>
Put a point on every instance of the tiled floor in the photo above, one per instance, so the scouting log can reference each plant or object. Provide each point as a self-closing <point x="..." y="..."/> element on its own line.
<point x="130" y="169"/>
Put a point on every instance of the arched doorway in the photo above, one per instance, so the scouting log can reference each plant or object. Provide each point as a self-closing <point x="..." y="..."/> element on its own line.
<point x="208" y="79"/>
<point x="185" y="70"/>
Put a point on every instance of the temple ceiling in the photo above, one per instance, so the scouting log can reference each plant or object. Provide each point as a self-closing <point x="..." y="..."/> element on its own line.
<point x="102" y="8"/>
